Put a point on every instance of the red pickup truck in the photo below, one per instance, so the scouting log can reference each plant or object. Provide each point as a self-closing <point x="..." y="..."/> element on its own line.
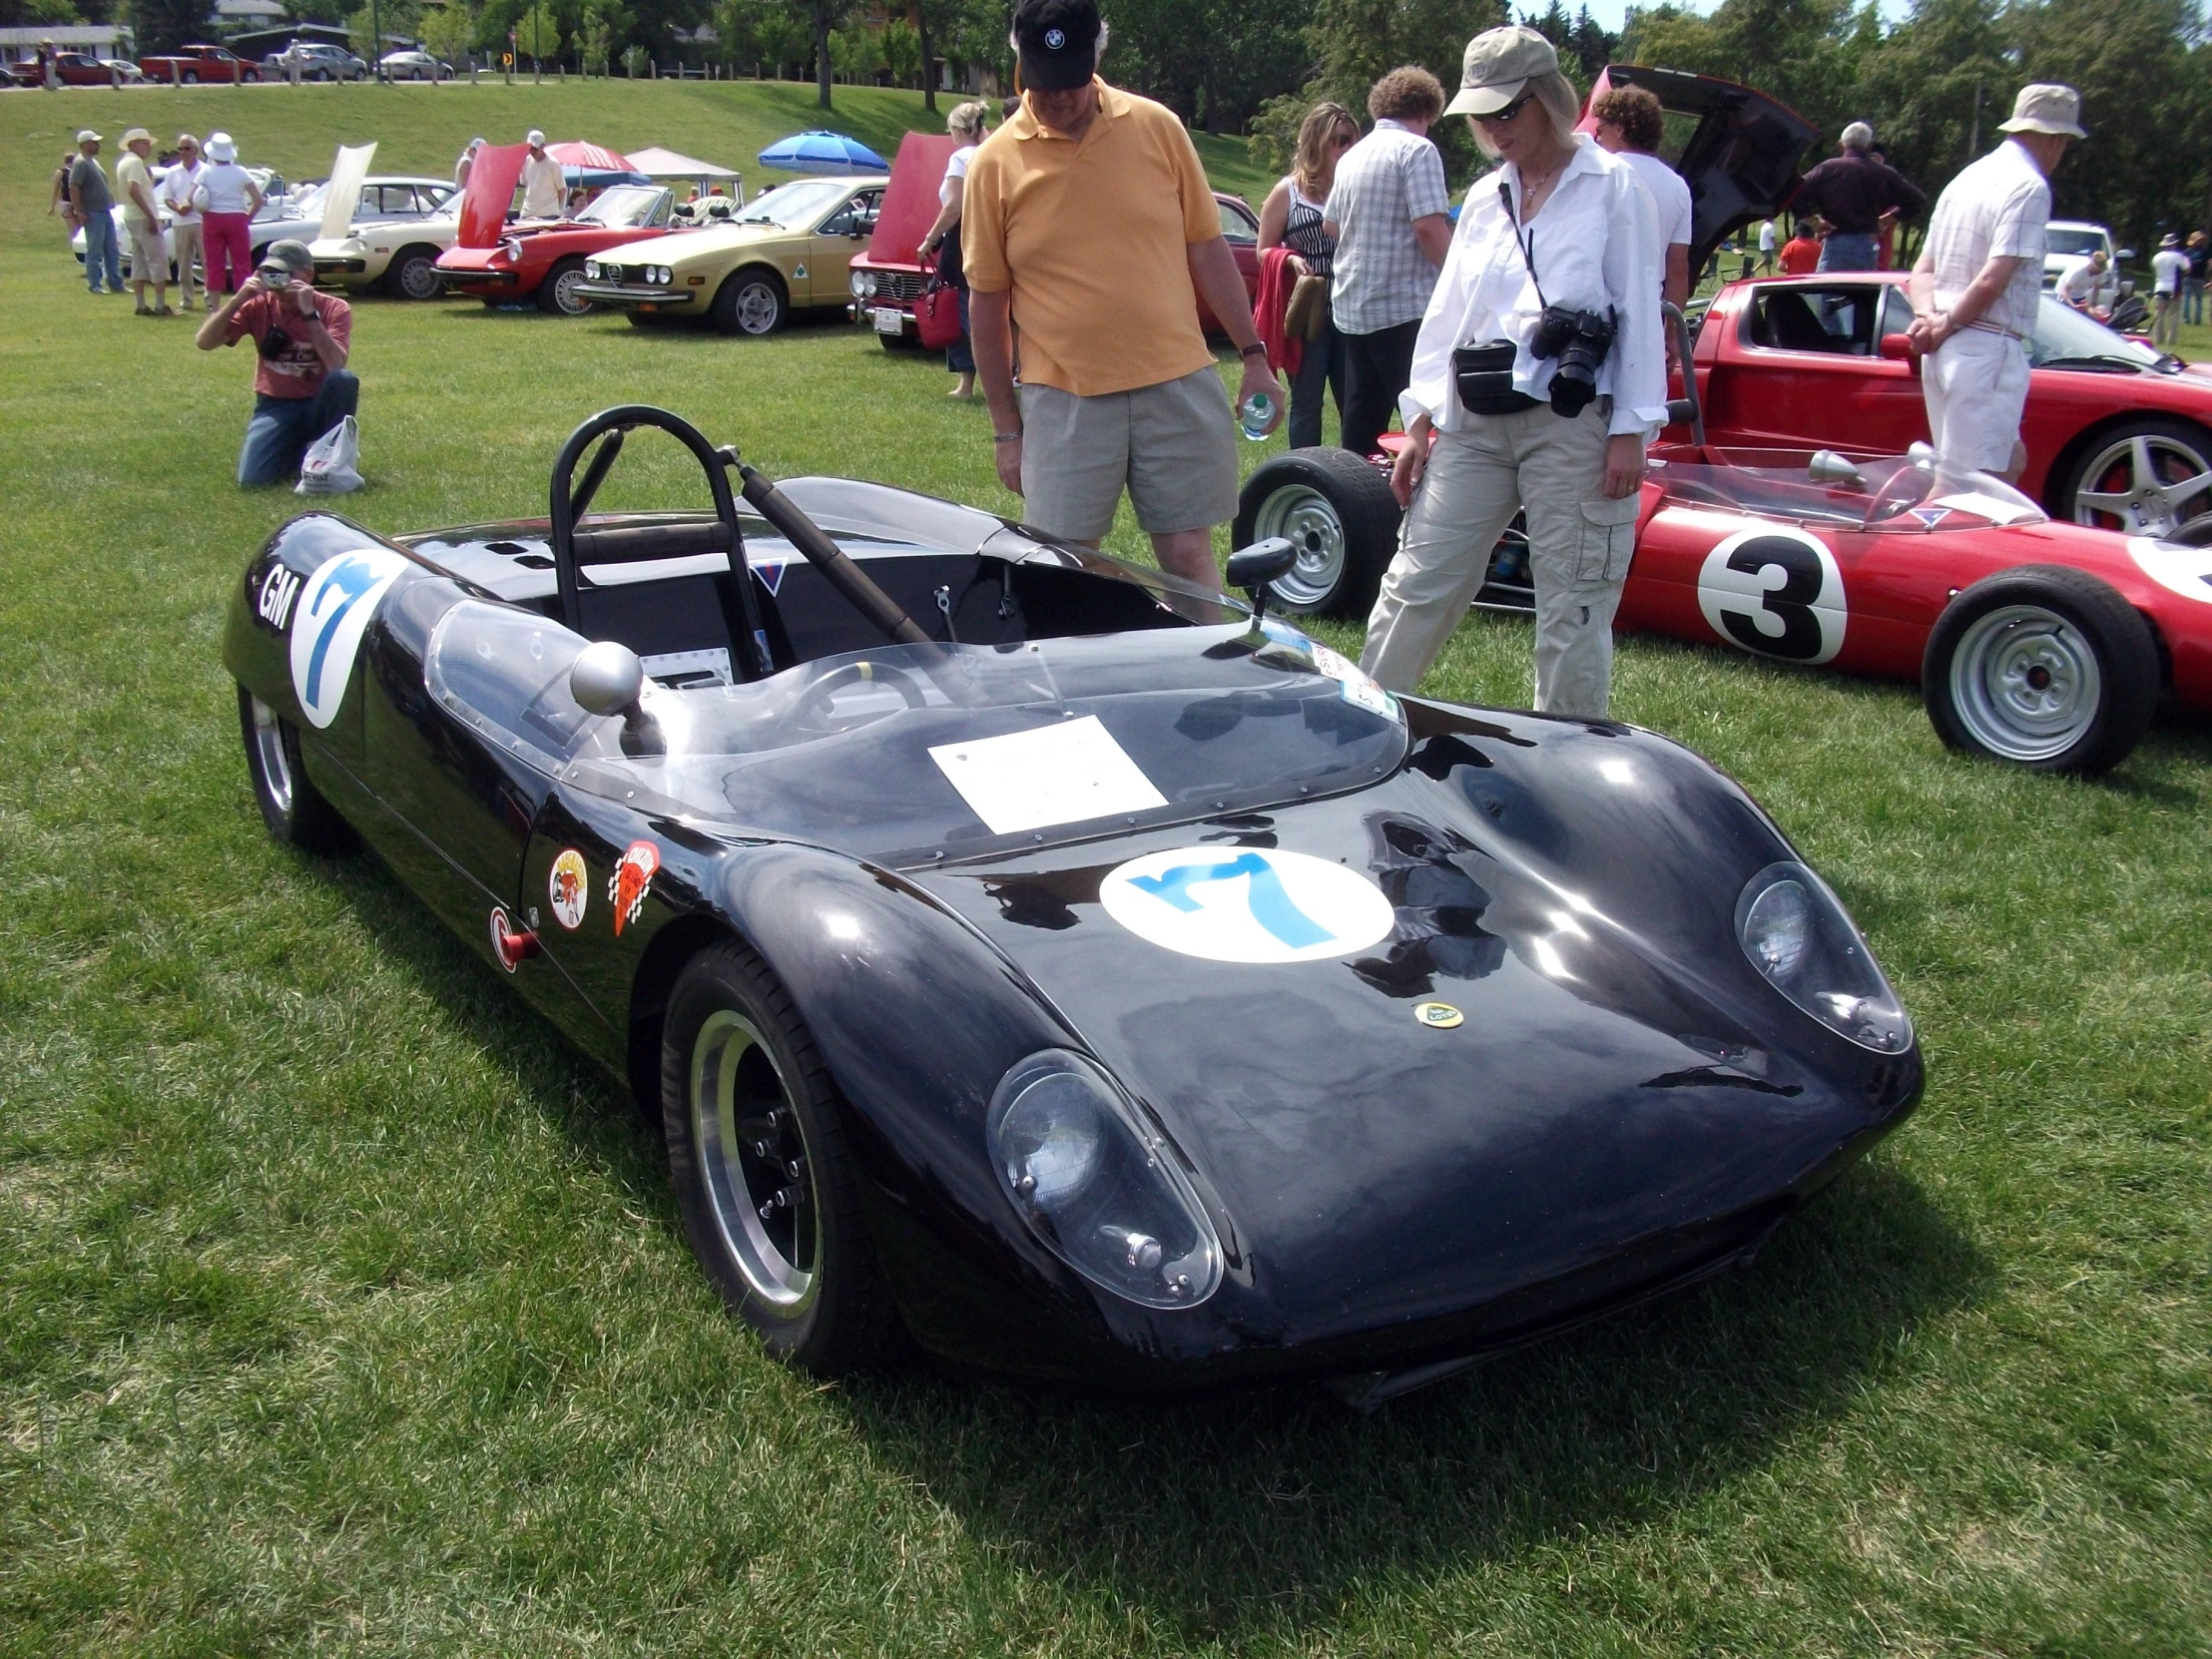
<point x="194" y="64"/>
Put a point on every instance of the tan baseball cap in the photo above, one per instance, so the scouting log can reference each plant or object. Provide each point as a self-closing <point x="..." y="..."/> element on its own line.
<point x="2046" y="107"/>
<point x="1499" y="64"/>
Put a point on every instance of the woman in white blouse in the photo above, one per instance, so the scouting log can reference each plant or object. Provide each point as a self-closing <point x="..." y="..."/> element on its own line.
<point x="1563" y="225"/>
<point x="965" y="122"/>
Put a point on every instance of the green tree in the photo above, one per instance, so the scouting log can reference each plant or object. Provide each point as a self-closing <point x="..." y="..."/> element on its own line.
<point x="29" y="14"/>
<point x="823" y="16"/>
<point x="856" y="53"/>
<point x="783" y="40"/>
<point x="449" y="31"/>
<point x="392" y="17"/>
<point x="165" y="25"/>
<point x="538" y="35"/>
<point x="604" y="23"/>
<point x="901" y="50"/>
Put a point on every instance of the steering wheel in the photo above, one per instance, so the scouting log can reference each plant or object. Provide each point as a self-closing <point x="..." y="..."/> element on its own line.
<point x="1905" y="488"/>
<point x="811" y="710"/>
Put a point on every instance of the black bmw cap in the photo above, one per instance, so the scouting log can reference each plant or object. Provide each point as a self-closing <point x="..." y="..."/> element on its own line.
<point x="1059" y="43"/>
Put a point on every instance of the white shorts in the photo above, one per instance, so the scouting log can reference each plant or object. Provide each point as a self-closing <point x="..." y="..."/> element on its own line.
<point x="1976" y="386"/>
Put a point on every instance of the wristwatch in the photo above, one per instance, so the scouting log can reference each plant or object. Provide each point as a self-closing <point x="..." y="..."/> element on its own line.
<point x="1258" y="348"/>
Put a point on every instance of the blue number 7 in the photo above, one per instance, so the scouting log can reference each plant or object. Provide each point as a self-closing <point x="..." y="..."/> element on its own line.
<point x="1270" y="906"/>
<point x="352" y="578"/>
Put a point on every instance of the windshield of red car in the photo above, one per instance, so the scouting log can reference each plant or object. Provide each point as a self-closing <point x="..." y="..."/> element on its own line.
<point x="624" y="207"/>
<point x="1914" y="494"/>
<point x="2064" y="334"/>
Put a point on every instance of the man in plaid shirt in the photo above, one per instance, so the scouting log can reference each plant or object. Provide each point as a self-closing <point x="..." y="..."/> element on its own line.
<point x="1389" y="211"/>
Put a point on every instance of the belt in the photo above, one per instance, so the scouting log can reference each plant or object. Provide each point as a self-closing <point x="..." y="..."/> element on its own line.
<point x="1995" y="329"/>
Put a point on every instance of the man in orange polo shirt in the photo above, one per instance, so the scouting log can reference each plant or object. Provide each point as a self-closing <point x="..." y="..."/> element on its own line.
<point x="1087" y="224"/>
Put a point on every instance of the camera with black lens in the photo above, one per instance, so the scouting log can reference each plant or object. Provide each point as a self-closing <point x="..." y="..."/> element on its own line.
<point x="1579" y="339"/>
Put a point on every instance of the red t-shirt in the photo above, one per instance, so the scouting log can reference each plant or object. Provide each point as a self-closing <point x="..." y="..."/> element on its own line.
<point x="295" y="371"/>
<point x="1801" y="256"/>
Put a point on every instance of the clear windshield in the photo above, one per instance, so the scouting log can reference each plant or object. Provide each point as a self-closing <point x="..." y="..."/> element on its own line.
<point x="2060" y="240"/>
<point x="793" y="204"/>
<point x="1914" y="494"/>
<point x="920" y="752"/>
<point x="2065" y="336"/>
<point x="625" y="207"/>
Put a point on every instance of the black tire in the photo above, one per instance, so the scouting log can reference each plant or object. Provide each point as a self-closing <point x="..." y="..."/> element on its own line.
<point x="190" y="77"/>
<point x="755" y="1123"/>
<point x="2196" y="533"/>
<point x="296" y="811"/>
<point x="639" y="319"/>
<point x="553" y="296"/>
<point x="2113" y="465"/>
<point x="751" y="302"/>
<point x="1338" y="511"/>
<point x="414" y="274"/>
<point x="2044" y="667"/>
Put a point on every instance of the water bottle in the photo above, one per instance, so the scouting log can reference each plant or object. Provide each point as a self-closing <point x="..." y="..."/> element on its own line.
<point x="1254" y="415"/>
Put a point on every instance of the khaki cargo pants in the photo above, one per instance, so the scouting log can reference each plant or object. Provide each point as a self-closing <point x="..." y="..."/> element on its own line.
<point x="1579" y="545"/>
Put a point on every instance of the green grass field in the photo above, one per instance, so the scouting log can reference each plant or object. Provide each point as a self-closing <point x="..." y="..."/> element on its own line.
<point x="343" y="1309"/>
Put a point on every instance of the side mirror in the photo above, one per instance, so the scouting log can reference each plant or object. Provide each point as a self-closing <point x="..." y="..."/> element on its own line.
<point x="2124" y="254"/>
<point x="1253" y="568"/>
<point x="1896" y="349"/>
<point x="1828" y="467"/>
<point x="607" y="678"/>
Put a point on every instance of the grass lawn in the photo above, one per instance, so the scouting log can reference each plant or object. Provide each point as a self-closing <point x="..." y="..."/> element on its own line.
<point x="342" y="1308"/>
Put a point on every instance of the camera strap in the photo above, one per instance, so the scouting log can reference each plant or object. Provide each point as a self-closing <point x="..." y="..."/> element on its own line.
<point x="1528" y="248"/>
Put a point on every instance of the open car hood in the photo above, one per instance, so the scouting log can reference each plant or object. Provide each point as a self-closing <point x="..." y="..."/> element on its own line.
<point x="1740" y="158"/>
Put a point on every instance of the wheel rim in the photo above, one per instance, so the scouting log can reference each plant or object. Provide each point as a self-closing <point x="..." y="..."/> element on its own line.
<point x="756" y="308"/>
<point x="269" y="755"/>
<point x="2149" y="484"/>
<point x="1304" y="515"/>
<point x="753" y="1159"/>
<point x="564" y="293"/>
<point x="419" y="280"/>
<point x="2025" y="683"/>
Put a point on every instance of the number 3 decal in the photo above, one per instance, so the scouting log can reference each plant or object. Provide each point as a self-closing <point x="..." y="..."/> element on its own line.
<point x="1776" y="591"/>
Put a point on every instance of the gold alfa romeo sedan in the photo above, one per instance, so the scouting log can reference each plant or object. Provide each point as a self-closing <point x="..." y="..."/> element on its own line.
<point x="789" y="250"/>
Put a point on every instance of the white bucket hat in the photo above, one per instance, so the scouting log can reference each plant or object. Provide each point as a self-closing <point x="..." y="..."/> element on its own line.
<point x="2046" y="107"/>
<point x="221" y="149"/>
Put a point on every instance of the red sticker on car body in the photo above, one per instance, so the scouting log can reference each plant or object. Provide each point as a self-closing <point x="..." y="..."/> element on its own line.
<point x="626" y="888"/>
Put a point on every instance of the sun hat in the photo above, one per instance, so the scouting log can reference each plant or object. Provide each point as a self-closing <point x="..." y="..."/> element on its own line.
<point x="1057" y="42"/>
<point x="2046" y="107"/>
<point x="288" y="252"/>
<point x="1499" y="64"/>
<point x="2169" y="239"/>
<point x="88" y="136"/>
<point x="535" y="137"/>
<point x="134" y="135"/>
<point x="221" y="149"/>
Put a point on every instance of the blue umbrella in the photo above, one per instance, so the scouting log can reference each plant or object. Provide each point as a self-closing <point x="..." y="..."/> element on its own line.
<point x="820" y="152"/>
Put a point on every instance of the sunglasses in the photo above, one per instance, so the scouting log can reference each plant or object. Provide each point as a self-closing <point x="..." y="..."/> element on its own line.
<point x="1498" y="118"/>
<point x="1343" y="141"/>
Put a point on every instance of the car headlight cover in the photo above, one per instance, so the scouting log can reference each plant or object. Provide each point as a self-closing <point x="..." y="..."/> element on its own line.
<point x="1098" y="1185"/>
<point x="1796" y="934"/>
<point x="592" y="271"/>
<point x="660" y="274"/>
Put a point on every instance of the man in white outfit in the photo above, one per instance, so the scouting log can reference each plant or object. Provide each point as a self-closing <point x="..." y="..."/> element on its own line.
<point x="542" y="196"/>
<point x="1979" y="284"/>
<point x="176" y="189"/>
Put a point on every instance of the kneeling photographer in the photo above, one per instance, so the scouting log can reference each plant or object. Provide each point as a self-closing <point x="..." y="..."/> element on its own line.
<point x="1541" y="369"/>
<point x="302" y="386"/>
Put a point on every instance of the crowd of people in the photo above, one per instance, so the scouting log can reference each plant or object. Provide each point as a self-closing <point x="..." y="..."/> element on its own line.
<point x="1518" y="344"/>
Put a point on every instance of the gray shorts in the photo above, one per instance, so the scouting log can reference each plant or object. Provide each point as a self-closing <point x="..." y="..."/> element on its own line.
<point x="1172" y="444"/>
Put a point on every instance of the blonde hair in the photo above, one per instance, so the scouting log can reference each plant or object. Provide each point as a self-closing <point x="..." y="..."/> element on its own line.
<point x="1313" y="134"/>
<point x="967" y="120"/>
<point x="1559" y="99"/>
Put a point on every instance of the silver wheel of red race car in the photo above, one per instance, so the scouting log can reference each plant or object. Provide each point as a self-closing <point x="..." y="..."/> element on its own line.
<point x="1338" y="513"/>
<point x="756" y="1154"/>
<point x="557" y="293"/>
<point x="2144" y="477"/>
<point x="2044" y="667"/>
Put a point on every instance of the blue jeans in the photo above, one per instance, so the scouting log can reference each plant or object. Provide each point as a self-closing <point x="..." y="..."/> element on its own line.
<point x="959" y="356"/>
<point x="2192" y="299"/>
<point x="277" y="434"/>
<point x="1319" y="372"/>
<point x="1842" y="252"/>
<point x="101" y="253"/>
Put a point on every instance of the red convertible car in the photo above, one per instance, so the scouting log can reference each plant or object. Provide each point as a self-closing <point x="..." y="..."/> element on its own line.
<point x="2119" y="435"/>
<point x="545" y="261"/>
<point x="887" y="277"/>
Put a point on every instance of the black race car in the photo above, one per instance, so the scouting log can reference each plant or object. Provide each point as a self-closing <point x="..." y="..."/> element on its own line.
<point x="1077" y="971"/>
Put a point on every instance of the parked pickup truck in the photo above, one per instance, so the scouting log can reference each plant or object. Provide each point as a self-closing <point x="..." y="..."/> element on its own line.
<point x="194" y="64"/>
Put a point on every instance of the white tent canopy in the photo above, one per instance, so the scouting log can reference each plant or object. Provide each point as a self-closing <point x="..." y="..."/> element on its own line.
<point x="656" y="162"/>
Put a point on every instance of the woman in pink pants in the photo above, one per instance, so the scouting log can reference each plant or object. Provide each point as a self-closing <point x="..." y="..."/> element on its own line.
<point x="230" y="198"/>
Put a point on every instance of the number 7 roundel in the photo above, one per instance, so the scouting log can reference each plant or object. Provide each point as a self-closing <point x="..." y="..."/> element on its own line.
<point x="1775" y="590"/>
<point x="333" y="613"/>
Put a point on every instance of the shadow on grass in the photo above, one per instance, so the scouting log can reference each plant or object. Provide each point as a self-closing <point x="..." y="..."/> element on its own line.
<point x="1232" y="1515"/>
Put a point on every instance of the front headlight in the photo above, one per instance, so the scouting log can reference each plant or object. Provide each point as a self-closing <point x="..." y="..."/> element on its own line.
<point x="592" y="271"/>
<point x="660" y="274"/>
<point x="512" y="248"/>
<point x="1098" y="1185"/>
<point x="1796" y="934"/>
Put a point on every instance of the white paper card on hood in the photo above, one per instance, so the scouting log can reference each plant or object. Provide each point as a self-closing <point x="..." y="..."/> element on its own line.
<point x="1063" y="774"/>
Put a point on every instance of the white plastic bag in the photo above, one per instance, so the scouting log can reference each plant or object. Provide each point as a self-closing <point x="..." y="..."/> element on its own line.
<point x="332" y="464"/>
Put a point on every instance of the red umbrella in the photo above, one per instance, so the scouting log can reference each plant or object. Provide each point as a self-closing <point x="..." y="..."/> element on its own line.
<point x="592" y="158"/>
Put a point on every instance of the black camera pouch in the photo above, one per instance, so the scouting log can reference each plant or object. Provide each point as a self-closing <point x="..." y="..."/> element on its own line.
<point x="275" y="342"/>
<point x="1483" y="377"/>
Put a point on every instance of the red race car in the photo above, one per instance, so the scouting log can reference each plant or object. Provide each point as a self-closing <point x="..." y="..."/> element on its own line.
<point x="887" y="277"/>
<point x="545" y="262"/>
<point x="2119" y="435"/>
